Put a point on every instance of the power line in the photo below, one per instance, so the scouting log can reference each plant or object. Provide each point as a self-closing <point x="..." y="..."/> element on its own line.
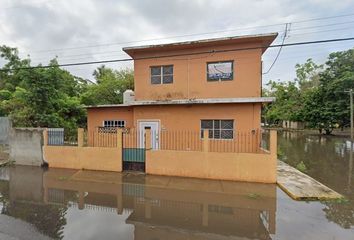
<point x="287" y="26"/>
<point x="118" y="53"/>
<point x="190" y="35"/>
<point x="184" y="54"/>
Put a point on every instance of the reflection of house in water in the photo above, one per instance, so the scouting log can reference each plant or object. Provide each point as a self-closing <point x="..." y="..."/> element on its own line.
<point x="173" y="208"/>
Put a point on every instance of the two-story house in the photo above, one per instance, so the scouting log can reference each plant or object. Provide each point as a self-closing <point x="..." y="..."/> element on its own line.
<point x="212" y="84"/>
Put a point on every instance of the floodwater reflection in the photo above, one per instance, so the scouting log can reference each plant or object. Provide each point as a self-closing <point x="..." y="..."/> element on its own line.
<point x="68" y="204"/>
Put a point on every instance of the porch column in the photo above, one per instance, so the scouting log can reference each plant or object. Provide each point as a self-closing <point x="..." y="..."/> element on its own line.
<point x="45" y="137"/>
<point x="120" y="147"/>
<point x="80" y="137"/>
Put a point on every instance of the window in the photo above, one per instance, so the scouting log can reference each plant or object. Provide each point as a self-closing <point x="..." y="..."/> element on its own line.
<point x="110" y="126"/>
<point x="220" y="71"/>
<point x="161" y="74"/>
<point x="114" y="123"/>
<point x="218" y="129"/>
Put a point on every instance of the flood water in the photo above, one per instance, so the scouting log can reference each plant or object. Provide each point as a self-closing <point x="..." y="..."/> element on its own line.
<point x="68" y="204"/>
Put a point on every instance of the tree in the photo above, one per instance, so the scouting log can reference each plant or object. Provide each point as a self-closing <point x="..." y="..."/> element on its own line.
<point x="110" y="86"/>
<point x="327" y="106"/>
<point x="39" y="97"/>
<point x="287" y="105"/>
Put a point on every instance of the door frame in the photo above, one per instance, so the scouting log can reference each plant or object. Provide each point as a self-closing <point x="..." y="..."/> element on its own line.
<point x="158" y="121"/>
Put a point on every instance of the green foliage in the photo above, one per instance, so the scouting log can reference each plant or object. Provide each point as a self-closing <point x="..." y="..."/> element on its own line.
<point x="53" y="97"/>
<point x="110" y="86"/>
<point x="317" y="96"/>
<point x="301" y="167"/>
<point x="287" y="105"/>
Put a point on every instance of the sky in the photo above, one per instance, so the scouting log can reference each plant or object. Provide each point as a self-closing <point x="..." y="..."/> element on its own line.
<point x="94" y="30"/>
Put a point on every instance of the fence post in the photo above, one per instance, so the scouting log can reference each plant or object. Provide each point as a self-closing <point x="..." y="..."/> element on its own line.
<point x="80" y="137"/>
<point x="273" y="143"/>
<point x="148" y="139"/>
<point x="205" y="140"/>
<point x="45" y="137"/>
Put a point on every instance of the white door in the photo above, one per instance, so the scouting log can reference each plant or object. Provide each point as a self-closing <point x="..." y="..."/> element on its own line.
<point x="154" y="128"/>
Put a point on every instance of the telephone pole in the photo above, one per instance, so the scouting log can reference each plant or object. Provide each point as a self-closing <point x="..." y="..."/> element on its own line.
<point x="351" y="141"/>
<point x="351" y="114"/>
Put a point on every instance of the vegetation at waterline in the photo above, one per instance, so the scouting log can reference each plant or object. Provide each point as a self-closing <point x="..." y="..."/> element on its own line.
<point x="317" y="96"/>
<point x="53" y="97"/>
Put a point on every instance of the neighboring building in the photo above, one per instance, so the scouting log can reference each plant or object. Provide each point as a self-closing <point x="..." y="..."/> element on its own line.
<point x="293" y="125"/>
<point x="212" y="84"/>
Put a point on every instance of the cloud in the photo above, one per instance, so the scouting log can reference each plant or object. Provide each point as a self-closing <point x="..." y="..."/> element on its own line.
<point x="45" y="29"/>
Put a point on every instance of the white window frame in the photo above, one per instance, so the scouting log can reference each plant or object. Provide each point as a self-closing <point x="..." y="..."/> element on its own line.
<point x="217" y="129"/>
<point x="161" y="74"/>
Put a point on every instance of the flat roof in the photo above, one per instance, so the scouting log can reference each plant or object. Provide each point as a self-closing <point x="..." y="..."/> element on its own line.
<point x="266" y="39"/>
<point x="190" y="101"/>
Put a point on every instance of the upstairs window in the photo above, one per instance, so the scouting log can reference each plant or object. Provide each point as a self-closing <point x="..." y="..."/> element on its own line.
<point x="218" y="129"/>
<point x="220" y="71"/>
<point x="161" y="74"/>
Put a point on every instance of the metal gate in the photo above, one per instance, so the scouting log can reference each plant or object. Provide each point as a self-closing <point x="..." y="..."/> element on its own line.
<point x="133" y="154"/>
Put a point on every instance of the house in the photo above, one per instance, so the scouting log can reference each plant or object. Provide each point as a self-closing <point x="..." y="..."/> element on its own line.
<point x="212" y="84"/>
<point x="195" y="112"/>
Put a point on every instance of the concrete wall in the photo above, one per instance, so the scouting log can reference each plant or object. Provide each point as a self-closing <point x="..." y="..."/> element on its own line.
<point x="90" y="158"/>
<point x="5" y="126"/>
<point x="250" y="167"/>
<point x="26" y="146"/>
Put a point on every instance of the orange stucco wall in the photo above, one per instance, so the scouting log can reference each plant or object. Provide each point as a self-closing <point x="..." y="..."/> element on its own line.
<point x="90" y="158"/>
<point x="249" y="167"/>
<point x="180" y="117"/>
<point x="190" y="74"/>
<point x="96" y="116"/>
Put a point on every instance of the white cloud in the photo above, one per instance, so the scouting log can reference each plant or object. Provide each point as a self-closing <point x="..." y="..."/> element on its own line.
<point x="34" y="26"/>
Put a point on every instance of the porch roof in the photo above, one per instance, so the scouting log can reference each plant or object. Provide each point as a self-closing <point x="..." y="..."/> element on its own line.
<point x="190" y="101"/>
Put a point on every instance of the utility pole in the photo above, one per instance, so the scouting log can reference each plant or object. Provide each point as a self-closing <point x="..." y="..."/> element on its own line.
<point x="351" y="140"/>
<point x="351" y="114"/>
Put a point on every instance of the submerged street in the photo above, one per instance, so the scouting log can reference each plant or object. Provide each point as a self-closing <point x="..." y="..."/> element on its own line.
<point x="70" y="204"/>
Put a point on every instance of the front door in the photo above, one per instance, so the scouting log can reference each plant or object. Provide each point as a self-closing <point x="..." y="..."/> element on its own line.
<point x="154" y="128"/>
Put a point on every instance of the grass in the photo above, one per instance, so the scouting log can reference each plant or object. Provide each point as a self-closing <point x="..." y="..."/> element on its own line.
<point x="301" y="167"/>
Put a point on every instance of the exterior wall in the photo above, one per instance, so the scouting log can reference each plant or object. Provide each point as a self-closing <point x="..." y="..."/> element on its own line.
<point x="90" y="158"/>
<point x="96" y="116"/>
<point x="248" y="167"/>
<point x="26" y="146"/>
<point x="180" y="117"/>
<point x="187" y="117"/>
<point x="225" y="166"/>
<point x="190" y="74"/>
